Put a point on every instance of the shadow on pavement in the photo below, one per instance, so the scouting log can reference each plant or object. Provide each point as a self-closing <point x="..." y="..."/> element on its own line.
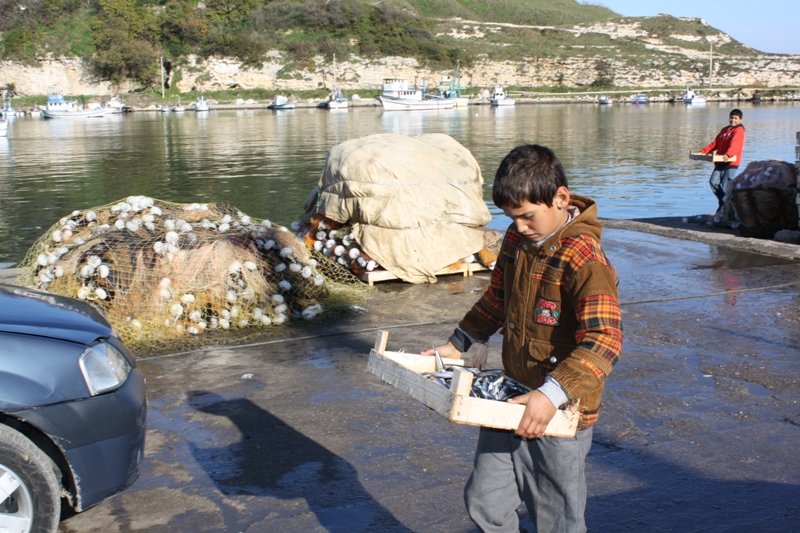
<point x="272" y="459"/>
<point x="662" y="496"/>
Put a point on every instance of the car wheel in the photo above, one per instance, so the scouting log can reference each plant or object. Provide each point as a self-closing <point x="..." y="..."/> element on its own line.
<point x="30" y="494"/>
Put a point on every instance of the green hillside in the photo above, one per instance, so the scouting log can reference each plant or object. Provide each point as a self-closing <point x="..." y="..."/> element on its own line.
<point x="123" y="39"/>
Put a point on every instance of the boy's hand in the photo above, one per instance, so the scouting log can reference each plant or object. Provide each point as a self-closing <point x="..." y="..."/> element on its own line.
<point x="539" y="411"/>
<point x="445" y="350"/>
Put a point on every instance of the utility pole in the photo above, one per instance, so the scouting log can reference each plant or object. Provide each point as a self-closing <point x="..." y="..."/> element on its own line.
<point x="162" y="77"/>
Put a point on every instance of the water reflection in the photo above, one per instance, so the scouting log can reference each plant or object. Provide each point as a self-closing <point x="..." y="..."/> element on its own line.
<point x="632" y="159"/>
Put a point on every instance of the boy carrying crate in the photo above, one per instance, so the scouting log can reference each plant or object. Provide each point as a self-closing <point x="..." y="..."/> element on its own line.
<point x="554" y="294"/>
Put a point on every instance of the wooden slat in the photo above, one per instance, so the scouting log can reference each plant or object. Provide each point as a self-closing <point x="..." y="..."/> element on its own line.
<point x="461" y="385"/>
<point x="465" y="269"/>
<point x="418" y="387"/>
<point x="380" y="341"/>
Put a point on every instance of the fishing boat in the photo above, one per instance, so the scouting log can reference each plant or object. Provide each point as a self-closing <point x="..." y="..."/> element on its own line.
<point x="451" y="88"/>
<point x="691" y="97"/>
<point x="115" y="106"/>
<point x="336" y="99"/>
<point x="58" y="107"/>
<point x="281" y="102"/>
<point x="178" y="108"/>
<point x="165" y="108"/>
<point x="397" y="95"/>
<point x="201" y="104"/>
<point x="500" y="98"/>
<point x="8" y="111"/>
<point x="603" y="100"/>
<point x="640" y="98"/>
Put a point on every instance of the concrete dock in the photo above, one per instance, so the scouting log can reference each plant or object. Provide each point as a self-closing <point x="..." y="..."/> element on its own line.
<point x="699" y="429"/>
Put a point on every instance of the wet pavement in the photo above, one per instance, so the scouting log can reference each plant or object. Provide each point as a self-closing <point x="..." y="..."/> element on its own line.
<point x="699" y="431"/>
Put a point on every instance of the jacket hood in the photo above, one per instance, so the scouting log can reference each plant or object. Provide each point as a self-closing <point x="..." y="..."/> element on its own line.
<point x="585" y="223"/>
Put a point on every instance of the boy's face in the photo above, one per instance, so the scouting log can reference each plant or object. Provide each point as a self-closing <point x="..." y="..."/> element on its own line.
<point x="734" y="120"/>
<point x="537" y="221"/>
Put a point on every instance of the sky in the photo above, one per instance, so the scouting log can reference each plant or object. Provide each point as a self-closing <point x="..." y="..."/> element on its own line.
<point x="768" y="25"/>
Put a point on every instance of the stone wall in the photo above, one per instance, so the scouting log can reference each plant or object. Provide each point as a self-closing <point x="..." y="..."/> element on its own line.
<point x="70" y="76"/>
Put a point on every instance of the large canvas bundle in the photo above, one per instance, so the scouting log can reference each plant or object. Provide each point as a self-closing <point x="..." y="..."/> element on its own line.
<point x="415" y="204"/>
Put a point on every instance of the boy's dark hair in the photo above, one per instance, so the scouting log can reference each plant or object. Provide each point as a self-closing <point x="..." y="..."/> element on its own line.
<point x="737" y="112"/>
<point x="529" y="172"/>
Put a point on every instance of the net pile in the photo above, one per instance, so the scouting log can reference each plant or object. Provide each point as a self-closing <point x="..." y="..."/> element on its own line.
<point x="165" y="272"/>
<point x="760" y="200"/>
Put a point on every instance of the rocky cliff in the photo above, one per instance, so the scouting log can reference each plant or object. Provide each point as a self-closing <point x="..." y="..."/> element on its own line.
<point x="670" y="63"/>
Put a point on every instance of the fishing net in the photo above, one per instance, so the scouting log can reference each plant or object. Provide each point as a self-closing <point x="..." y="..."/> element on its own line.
<point x="169" y="274"/>
<point x="337" y="242"/>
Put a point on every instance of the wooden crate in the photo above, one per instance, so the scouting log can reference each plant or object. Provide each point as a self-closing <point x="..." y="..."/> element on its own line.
<point x="714" y="158"/>
<point x="402" y="370"/>
<point x="465" y="269"/>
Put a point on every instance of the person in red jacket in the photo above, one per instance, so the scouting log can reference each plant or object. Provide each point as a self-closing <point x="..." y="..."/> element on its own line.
<point x="729" y="143"/>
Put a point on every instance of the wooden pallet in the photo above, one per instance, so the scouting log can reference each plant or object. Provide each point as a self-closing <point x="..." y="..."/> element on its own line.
<point x="402" y="370"/>
<point x="714" y="158"/>
<point x="466" y="269"/>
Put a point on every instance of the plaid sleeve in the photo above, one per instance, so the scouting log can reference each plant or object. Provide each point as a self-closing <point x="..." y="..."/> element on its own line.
<point x="593" y="285"/>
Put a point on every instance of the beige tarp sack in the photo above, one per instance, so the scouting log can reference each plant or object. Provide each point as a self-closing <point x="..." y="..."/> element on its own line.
<point x="415" y="203"/>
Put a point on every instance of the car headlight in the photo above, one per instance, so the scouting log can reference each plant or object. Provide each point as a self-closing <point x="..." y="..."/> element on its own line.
<point x="104" y="368"/>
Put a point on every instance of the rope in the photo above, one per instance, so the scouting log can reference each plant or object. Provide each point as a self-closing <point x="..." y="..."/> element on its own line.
<point x="440" y="322"/>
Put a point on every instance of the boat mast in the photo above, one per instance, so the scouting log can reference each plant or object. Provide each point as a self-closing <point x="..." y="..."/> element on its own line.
<point x="458" y="79"/>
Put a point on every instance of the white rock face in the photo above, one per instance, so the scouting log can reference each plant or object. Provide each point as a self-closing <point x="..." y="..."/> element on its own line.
<point x="682" y="66"/>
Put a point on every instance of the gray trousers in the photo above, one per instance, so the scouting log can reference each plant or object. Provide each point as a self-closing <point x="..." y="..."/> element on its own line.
<point x="719" y="180"/>
<point x="548" y="474"/>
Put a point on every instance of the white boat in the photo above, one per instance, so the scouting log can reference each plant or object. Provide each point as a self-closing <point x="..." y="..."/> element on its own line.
<point x="281" y="102"/>
<point x="57" y="107"/>
<point x="640" y="98"/>
<point x="451" y="88"/>
<point x="691" y="97"/>
<point x="604" y="100"/>
<point x="201" y="104"/>
<point x="500" y="98"/>
<point x="336" y="99"/>
<point x="399" y="96"/>
<point x="165" y="108"/>
<point x="8" y="111"/>
<point x="115" y="106"/>
<point x="3" y="127"/>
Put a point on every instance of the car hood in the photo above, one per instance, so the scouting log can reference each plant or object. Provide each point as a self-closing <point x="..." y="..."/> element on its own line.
<point x="39" y="313"/>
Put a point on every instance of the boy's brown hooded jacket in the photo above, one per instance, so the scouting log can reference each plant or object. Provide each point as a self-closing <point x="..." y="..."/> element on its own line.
<point x="558" y="306"/>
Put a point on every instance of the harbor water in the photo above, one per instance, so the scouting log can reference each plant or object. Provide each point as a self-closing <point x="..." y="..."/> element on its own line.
<point x="633" y="159"/>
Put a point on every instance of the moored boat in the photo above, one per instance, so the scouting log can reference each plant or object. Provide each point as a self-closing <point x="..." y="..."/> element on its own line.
<point x="58" y="107"/>
<point x="399" y="96"/>
<point x="500" y="98"/>
<point x="281" y="102"/>
<point x="640" y="98"/>
<point x="201" y="104"/>
<point x="115" y="106"/>
<point x="603" y="100"/>
<point x="691" y="97"/>
<point x="336" y="99"/>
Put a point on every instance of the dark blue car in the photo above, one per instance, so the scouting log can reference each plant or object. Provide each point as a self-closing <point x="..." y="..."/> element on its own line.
<point x="72" y="409"/>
